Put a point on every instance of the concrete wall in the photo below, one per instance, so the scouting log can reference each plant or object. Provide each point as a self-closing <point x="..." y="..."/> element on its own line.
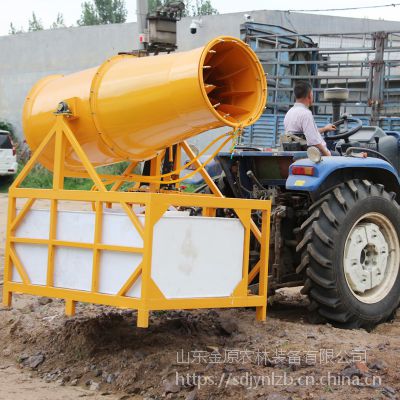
<point x="229" y="24"/>
<point x="31" y="56"/>
<point x="25" y="58"/>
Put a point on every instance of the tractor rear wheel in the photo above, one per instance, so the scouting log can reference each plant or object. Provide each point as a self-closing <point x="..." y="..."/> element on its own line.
<point x="350" y="255"/>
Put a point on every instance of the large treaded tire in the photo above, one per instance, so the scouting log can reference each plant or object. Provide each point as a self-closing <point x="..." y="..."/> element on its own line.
<point x="322" y="250"/>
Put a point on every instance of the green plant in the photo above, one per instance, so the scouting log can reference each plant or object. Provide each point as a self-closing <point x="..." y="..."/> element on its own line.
<point x="35" y="24"/>
<point x="15" y="31"/>
<point x="7" y="126"/>
<point x="41" y="178"/>
<point x="98" y="12"/>
<point x="59" y="22"/>
<point x="192" y="7"/>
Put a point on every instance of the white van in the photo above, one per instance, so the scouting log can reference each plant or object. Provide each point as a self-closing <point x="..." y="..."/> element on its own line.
<point x="8" y="155"/>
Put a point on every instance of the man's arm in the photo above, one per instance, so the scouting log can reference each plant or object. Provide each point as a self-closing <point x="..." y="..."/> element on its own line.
<point x="312" y="134"/>
<point x="324" y="151"/>
<point x="327" y="128"/>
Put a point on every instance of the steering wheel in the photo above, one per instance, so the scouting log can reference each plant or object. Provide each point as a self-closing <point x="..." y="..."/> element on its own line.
<point x="346" y="133"/>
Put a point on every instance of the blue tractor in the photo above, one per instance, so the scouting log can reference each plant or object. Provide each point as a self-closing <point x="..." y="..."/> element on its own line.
<point x="335" y="224"/>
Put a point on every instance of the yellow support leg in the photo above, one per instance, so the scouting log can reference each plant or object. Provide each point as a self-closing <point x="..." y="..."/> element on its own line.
<point x="70" y="307"/>
<point x="143" y="318"/>
<point x="209" y="212"/>
<point x="155" y="168"/>
<point x="261" y="311"/>
<point x="7" y="298"/>
<point x="12" y="214"/>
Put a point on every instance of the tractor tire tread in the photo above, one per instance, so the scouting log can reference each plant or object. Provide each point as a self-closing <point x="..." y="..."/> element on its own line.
<point x="320" y="232"/>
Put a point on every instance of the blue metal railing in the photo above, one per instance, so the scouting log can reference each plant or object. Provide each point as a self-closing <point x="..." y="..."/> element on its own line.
<point x="266" y="131"/>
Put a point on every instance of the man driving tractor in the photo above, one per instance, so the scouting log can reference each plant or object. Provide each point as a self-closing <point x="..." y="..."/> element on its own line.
<point x="299" y="119"/>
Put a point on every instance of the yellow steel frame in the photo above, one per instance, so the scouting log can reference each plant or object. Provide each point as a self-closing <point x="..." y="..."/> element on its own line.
<point x="156" y="203"/>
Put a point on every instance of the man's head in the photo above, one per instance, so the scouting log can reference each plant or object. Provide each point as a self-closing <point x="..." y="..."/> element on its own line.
<point x="303" y="93"/>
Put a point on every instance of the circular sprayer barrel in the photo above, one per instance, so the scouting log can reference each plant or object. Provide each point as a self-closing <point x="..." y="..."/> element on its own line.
<point x="131" y="107"/>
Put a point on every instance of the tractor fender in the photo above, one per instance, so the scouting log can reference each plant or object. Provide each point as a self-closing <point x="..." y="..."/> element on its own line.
<point x="332" y="171"/>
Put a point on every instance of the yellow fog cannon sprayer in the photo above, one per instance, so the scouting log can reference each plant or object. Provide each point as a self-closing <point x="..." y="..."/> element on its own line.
<point x="138" y="249"/>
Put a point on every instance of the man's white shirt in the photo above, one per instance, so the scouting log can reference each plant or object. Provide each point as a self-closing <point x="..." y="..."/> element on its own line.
<point x="299" y="119"/>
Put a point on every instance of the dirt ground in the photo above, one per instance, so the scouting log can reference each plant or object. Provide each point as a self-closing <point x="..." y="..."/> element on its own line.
<point x="209" y="354"/>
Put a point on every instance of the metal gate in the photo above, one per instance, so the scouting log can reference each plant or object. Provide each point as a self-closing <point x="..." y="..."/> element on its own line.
<point x="368" y="64"/>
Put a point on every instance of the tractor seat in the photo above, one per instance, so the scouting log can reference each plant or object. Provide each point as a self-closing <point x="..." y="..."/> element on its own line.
<point x="293" y="142"/>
